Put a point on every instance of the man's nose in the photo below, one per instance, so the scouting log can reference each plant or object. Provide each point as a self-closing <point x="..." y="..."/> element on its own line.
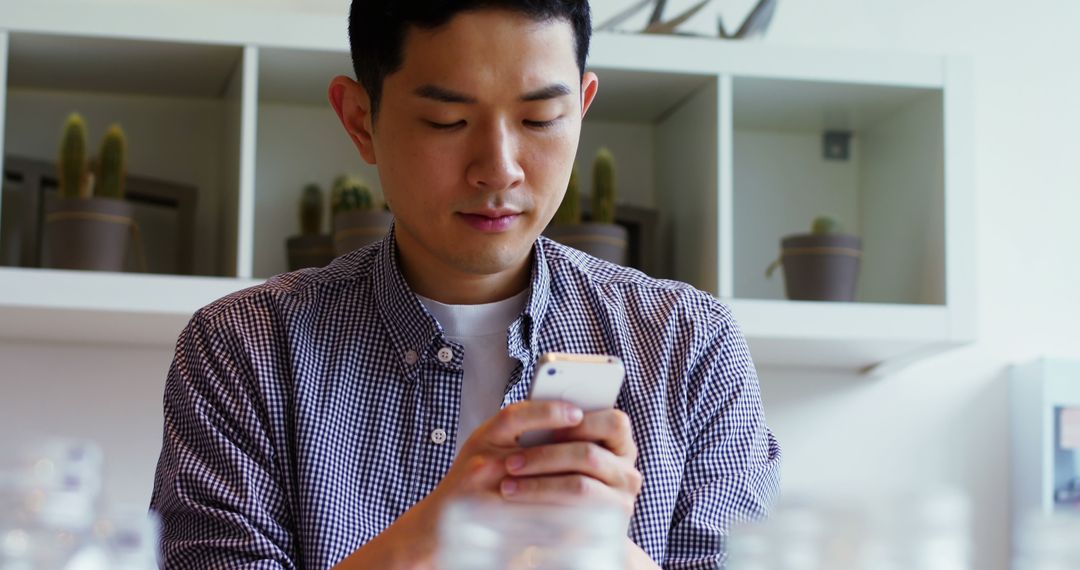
<point x="495" y="164"/>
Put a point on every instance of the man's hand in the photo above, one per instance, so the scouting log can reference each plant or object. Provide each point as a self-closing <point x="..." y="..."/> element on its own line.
<point x="481" y="465"/>
<point x="593" y="460"/>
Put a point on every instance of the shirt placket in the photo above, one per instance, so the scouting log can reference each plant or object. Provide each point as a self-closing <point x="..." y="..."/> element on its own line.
<point x="440" y="382"/>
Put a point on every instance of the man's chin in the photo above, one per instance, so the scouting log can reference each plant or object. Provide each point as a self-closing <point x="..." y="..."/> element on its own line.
<point x="494" y="259"/>
<point x="494" y="266"/>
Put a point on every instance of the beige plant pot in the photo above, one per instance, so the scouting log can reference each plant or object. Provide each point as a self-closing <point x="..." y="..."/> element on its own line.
<point x="87" y="233"/>
<point x="357" y="228"/>
<point x="609" y="242"/>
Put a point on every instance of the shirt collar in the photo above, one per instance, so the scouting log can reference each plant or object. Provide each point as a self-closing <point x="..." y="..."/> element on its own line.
<point x="416" y="335"/>
<point x="413" y="332"/>
<point x="524" y="337"/>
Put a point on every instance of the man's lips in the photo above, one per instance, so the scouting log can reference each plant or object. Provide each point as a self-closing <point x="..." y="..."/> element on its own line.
<point x="490" y="220"/>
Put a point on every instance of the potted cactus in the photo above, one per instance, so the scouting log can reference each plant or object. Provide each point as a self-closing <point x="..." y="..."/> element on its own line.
<point x="601" y="236"/>
<point x="312" y="248"/>
<point x="88" y="226"/>
<point x="357" y="222"/>
<point x="822" y="265"/>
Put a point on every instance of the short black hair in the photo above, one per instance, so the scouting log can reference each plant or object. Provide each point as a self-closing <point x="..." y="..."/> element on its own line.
<point x="377" y="30"/>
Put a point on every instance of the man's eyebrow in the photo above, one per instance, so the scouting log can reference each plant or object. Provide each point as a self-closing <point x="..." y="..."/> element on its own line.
<point x="443" y="95"/>
<point x="550" y="92"/>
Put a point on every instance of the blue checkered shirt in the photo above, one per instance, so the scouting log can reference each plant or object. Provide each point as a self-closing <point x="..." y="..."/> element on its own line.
<point x="300" y="413"/>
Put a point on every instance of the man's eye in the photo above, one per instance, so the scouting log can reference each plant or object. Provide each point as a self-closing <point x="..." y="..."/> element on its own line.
<point x="445" y="126"/>
<point x="540" y="124"/>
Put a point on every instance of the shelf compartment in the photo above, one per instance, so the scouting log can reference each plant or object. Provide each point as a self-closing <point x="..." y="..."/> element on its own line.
<point x="890" y="191"/>
<point x="300" y="141"/>
<point x="662" y="128"/>
<point x="178" y="104"/>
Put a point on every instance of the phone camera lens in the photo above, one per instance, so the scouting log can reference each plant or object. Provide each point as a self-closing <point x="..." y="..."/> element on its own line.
<point x="551" y="371"/>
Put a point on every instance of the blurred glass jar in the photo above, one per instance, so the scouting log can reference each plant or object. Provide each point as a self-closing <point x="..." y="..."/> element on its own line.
<point x="922" y="531"/>
<point x="49" y="497"/>
<point x="493" y="535"/>
<point x="130" y="537"/>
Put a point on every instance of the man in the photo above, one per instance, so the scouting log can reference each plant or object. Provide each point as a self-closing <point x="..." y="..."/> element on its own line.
<point x="328" y="416"/>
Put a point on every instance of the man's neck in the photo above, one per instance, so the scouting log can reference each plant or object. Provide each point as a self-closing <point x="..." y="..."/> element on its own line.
<point x="450" y="287"/>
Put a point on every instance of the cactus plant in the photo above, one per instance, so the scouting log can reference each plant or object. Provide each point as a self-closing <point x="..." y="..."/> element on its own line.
<point x="601" y="238"/>
<point x="311" y="210"/>
<point x="603" y="197"/>
<point x="111" y="167"/>
<point x="825" y="225"/>
<point x="72" y="169"/>
<point x="569" y="211"/>
<point x="351" y="193"/>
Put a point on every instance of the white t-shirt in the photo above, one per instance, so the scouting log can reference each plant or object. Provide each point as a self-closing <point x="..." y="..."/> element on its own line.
<point x="482" y="332"/>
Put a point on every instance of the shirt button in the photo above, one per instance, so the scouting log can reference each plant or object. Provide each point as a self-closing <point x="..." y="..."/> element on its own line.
<point x="438" y="436"/>
<point x="445" y="354"/>
<point x="411" y="357"/>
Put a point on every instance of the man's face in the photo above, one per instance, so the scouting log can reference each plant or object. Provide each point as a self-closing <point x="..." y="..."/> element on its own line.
<point x="476" y="136"/>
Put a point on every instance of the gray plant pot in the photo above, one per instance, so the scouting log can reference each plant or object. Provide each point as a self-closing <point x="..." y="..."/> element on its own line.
<point x="357" y="228"/>
<point x="309" y="251"/>
<point x="86" y="233"/>
<point x="821" y="267"/>
<point x="606" y="241"/>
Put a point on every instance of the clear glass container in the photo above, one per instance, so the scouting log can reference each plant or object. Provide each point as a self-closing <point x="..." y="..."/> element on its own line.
<point x="49" y="500"/>
<point x="917" y="531"/>
<point x="493" y="535"/>
<point x="131" y="537"/>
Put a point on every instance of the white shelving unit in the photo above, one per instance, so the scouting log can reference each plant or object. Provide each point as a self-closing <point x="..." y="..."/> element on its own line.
<point x="1042" y="466"/>
<point x="722" y="139"/>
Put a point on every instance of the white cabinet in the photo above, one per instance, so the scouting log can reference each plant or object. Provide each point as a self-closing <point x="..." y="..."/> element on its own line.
<point x="1045" y="400"/>
<point x="722" y="139"/>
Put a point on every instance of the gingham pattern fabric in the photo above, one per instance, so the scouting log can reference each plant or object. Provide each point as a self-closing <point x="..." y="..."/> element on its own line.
<point x="302" y="416"/>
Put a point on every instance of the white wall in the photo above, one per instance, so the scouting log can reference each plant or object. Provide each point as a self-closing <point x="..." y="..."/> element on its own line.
<point x="109" y="395"/>
<point x="942" y="421"/>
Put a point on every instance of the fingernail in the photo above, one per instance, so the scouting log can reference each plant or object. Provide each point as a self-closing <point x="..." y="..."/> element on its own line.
<point x="509" y="486"/>
<point x="574" y="414"/>
<point x="515" y="462"/>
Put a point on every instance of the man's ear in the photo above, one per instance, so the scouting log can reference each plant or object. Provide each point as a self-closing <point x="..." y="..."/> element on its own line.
<point x="589" y="84"/>
<point x="353" y="106"/>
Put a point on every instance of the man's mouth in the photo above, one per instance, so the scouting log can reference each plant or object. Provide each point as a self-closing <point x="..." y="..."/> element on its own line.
<point x="493" y="221"/>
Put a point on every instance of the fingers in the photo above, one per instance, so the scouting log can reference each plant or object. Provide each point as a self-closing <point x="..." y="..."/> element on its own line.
<point x="505" y="427"/>
<point x="579" y="457"/>
<point x="564" y="490"/>
<point x="609" y="428"/>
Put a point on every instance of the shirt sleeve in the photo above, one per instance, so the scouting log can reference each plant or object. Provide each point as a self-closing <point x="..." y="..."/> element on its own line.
<point x="732" y="472"/>
<point x="215" y="489"/>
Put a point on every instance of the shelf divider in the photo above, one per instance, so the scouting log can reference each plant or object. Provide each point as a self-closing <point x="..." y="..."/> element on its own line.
<point x="248" y="140"/>
<point x="960" y="226"/>
<point x="725" y="207"/>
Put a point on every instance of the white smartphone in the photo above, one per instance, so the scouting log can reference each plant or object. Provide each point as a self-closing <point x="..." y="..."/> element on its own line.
<point x="589" y="381"/>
